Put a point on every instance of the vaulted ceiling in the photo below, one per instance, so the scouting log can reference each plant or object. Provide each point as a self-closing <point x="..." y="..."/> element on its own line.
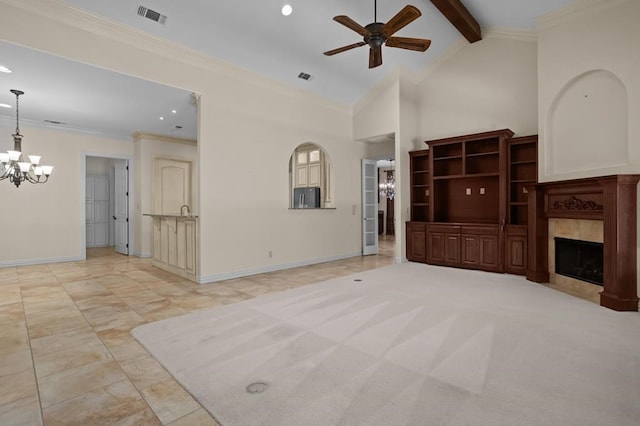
<point x="252" y="34"/>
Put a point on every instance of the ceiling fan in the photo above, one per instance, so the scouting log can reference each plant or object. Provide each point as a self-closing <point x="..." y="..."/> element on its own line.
<point x="376" y="34"/>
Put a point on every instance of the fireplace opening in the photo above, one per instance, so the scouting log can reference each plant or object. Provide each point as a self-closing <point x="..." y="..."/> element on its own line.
<point x="582" y="260"/>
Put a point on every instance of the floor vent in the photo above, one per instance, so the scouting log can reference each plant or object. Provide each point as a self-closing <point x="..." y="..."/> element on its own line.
<point x="151" y="14"/>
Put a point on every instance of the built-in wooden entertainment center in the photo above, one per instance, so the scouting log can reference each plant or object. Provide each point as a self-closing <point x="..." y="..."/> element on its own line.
<point x="469" y="201"/>
<point x="476" y="203"/>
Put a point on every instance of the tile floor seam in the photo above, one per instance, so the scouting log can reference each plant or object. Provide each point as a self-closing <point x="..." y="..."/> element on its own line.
<point x="33" y="361"/>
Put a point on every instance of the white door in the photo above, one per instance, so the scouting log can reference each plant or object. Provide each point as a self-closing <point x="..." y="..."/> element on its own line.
<point x="97" y="211"/>
<point x="369" y="207"/>
<point x="121" y="216"/>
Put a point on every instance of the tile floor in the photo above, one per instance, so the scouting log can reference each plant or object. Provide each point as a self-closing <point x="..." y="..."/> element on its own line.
<point x="66" y="352"/>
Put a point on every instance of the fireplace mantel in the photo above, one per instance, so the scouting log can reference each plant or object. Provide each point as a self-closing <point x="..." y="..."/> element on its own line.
<point x="612" y="199"/>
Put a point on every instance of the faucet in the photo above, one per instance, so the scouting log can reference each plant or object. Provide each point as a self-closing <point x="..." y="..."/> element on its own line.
<point x="181" y="210"/>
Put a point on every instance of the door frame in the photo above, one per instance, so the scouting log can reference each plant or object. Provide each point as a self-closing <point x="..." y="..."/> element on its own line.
<point x="83" y="186"/>
<point x="373" y="249"/>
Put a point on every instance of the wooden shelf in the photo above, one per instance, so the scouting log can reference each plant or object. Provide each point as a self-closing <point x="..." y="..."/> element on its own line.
<point x="453" y="157"/>
<point x="482" y="154"/>
<point x="468" y="175"/>
<point x="523" y="170"/>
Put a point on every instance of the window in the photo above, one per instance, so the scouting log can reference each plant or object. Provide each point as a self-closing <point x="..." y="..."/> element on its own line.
<point x="310" y="178"/>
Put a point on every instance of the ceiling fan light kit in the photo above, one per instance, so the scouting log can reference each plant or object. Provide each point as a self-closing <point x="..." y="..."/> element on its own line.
<point x="377" y="34"/>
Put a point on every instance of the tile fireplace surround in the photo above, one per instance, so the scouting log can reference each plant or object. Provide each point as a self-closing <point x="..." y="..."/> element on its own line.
<point x="610" y="199"/>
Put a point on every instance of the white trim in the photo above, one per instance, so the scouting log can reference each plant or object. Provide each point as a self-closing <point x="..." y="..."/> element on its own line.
<point x="130" y="189"/>
<point x="273" y="268"/>
<point x="518" y="34"/>
<point x="28" y="262"/>
<point x="141" y="255"/>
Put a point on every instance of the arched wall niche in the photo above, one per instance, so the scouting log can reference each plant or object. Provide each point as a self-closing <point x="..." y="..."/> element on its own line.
<point x="587" y="125"/>
<point x="311" y="178"/>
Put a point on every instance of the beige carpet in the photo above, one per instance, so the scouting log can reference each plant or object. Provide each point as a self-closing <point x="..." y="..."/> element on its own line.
<point x="408" y="344"/>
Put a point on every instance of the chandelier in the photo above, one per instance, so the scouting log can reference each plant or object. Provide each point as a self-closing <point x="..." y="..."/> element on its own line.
<point x="12" y="163"/>
<point x="388" y="187"/>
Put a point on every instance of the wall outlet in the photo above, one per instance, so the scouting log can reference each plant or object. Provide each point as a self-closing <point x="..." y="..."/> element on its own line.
<point x="481" y="191"/>
<point x="270" y="254"/>
<point x="468" y="192"/>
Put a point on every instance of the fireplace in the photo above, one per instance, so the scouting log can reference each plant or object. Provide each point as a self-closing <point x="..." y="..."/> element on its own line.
<point x="582" y="260"/>
<point x="610" y="199"/>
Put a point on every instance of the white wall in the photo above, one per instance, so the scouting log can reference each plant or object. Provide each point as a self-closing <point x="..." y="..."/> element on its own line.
<point x="377" y="112"/>
<point x="589" y="59"/>
<point x="248" y="127"/>
<point x="49" y="221"/>
<point x="487" y="85"/>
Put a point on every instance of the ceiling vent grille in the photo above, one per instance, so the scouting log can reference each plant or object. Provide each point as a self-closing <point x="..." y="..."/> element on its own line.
<point x="151" y="14"/>
<point x="304" y="76"/>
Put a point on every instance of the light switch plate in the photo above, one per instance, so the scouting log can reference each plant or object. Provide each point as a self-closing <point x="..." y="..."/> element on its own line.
<point x="468" y="191"/>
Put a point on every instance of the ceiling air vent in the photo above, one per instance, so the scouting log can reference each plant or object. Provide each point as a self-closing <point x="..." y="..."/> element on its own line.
<point x="304" y="76"/>
<point x="151" y="14"/>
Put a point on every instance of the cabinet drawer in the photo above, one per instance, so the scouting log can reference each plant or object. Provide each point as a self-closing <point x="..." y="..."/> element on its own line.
<point x="446" y="229"/>
<point x="479" y="230"/>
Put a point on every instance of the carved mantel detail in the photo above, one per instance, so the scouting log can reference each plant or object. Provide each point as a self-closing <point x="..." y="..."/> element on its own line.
<point x="574" y="203"/>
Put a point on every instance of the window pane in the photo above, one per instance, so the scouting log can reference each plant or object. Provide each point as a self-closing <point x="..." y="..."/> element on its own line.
<point x="314" y="155"/>
<point x="302" y="157"/>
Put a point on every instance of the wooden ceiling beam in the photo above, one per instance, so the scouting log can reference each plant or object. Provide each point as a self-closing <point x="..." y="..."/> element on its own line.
<point x="460" y="17"/>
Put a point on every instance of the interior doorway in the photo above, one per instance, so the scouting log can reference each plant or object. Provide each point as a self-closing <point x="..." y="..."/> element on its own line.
<point x="107" y="206"/>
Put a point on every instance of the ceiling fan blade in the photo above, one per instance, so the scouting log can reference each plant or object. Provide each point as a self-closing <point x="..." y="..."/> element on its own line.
<point x="351" y="24"/>
<point x="344" y="48"/>
<point x="375" y="56"/>
<point x="403" y="18"/>
<point x="418" y="44"/>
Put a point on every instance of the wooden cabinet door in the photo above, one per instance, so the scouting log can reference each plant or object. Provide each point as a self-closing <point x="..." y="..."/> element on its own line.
<point x="515" y="252"/>
<point x="416" y="242"/>
<point x="489" y="252"/>
<point x="470" y="250"/>
<point x="452" y="249"/>
<point x="435" y="248"/>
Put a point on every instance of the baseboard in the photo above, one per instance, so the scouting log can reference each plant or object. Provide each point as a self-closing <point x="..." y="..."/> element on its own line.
<point x="140" y="254"/>
<point x="28" y="262"/>
<point x="272" y="268"/>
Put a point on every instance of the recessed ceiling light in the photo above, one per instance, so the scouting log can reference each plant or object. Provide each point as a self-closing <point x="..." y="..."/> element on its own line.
<point x="5" y="69"/>
<point x="287" y="9"/>
<point x="5" y="106"/>
<point x="173" y="111"/>
<point x="161" y="118"/>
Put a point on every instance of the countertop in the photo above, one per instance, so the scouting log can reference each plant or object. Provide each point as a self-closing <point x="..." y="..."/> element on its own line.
<point x="187" y="216"/>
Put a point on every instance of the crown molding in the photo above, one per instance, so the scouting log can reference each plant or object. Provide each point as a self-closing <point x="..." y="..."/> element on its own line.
<point x="576" y="10"/>
<point x="71" y="16"/>
<point x="518" y="34"/>
<point x="137" y="136"/>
